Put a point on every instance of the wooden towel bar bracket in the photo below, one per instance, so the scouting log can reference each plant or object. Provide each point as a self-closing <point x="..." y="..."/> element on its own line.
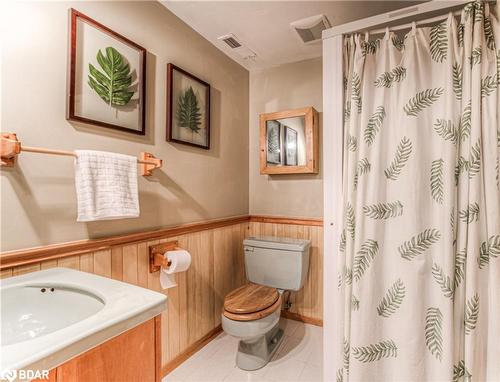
<point x="10" y="148"/>
<point x="156" y="258"/>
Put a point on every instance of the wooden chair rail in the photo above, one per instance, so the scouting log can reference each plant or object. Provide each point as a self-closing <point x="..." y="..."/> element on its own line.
<point x="26" y="256"/>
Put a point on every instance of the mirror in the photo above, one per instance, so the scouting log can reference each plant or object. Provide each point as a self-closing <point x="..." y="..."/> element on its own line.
<point x="289" y="142"/>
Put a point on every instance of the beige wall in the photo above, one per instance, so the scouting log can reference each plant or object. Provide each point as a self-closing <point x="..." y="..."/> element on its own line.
<point x="38" y="198"/>
<point x="284" y="87"/>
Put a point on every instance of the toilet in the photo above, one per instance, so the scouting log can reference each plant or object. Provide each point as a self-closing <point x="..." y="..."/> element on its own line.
<point x="252" y="312"/>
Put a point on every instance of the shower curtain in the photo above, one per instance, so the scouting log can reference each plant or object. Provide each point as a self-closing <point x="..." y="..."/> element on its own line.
<point x="419" y="255"/>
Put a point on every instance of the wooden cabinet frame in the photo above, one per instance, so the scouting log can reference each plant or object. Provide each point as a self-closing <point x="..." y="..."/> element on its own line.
<point x="311" y="135"/>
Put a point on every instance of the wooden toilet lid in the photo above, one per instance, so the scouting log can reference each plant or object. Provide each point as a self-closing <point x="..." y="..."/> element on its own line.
<point x="250" y="298"/>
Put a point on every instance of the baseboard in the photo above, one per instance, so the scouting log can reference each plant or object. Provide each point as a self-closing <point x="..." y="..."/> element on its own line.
<point x="301" y="318"/>
<point x="171" y="365"/>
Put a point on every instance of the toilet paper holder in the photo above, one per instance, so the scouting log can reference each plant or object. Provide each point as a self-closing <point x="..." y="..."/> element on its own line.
<point x="156" y="258"/>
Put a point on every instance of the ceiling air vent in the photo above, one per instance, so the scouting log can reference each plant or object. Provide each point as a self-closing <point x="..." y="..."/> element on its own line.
<point x="230" y="40"/>
<point x="309" y="29"/>
<point x="237" y="47"/>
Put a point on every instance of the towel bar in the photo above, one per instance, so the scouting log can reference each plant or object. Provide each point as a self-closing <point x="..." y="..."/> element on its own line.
<point x="10" y="148"/>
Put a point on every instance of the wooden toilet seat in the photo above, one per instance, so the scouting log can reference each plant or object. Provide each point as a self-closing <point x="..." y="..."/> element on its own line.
<point x="251" y="302"/>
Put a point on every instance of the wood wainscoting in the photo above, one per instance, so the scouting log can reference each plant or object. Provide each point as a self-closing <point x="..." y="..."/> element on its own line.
<point x="194" y="306"/>
<point x="307" y="304"/>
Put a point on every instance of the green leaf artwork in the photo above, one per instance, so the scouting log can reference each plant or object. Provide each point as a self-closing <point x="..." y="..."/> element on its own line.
<point x="474" y="164"/>
<point x="433" y="332"/>
<point x="403" y="152"/>
<point x="462" y="166"/>
<point x="188" y="111"/>
<point x="363" y="167"/>
<point x="356" y="92"/>
<point x="469" y="214"/>
<point x="375" y="352"/>
<point x="489" y="84"/>
<point x="439" y="42"/>
<point x="384" y="210"/>
<point x="387" y="79"/>
<point x="374" y="123"/>
<point x="364" y="257"/>
<point x="489" y="249"/>
<point x="114" y="82"/>
<point x="471" y="314"/>
<point x="460" y="263"/>
<point x="352" y="143"/>
<point x="446" y="129"/>
<point x="436" y="180"/>
<point x="422" y="100"/>
<point x="489" y="34"/>
<point x="457" y="80"/>
<point x="392" y="299"/>
<point x="419" y="244"/>
<point x="346" y="353"/>
<point x="445" y="282"/>
<point x="350" y="220"/>
<point x="460" y="372"/>
<point x="354" y="303"/>
<point x="476" y="56"/>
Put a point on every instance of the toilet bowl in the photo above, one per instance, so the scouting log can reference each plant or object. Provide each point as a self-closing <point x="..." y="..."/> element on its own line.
<point x="251" y="312"/>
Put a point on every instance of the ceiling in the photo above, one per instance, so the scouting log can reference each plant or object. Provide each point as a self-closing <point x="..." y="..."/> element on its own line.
<point x="264" y="26"/>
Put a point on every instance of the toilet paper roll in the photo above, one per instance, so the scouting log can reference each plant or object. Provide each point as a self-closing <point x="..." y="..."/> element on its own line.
<point x="180" y="262"/>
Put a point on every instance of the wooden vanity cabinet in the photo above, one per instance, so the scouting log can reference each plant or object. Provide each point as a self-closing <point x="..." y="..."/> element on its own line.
<point x="133" y="356"/>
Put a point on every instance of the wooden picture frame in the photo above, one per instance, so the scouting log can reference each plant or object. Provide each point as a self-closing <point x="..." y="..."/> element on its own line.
<point x="137" y="74"/>
<point x="202" y="94"/>
<point x="310" y="163"/>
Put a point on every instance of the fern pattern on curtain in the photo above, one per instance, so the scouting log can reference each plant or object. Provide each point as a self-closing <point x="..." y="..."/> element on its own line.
<point x="419" y="256"/>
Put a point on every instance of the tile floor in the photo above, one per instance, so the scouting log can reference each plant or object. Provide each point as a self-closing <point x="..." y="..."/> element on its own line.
<point x="299" y="358"/>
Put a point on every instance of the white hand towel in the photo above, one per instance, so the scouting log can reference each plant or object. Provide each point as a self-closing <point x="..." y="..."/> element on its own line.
<point x="106" y="185"/>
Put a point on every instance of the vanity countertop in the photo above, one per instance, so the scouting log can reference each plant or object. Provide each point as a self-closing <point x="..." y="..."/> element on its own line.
<point x="111" y="308"/>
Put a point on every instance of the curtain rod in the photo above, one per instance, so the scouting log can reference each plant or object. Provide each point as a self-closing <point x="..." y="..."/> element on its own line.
<point x="389" y="17"/>
<point x="10" y="148"/>
<point x="409" y="25"/>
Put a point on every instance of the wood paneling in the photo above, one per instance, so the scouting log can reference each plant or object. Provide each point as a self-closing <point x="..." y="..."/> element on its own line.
<point x="308" y="302"/>
<point x="49" y="252"/>
<point x="195" y="305"/>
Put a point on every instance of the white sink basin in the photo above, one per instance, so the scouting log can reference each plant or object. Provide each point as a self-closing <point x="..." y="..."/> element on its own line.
<point x="36" y="310"/>
<point x="43" y="329"/>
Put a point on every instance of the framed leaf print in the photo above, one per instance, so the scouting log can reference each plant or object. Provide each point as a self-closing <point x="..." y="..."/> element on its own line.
<point x="188" y="108"/>
<point x="107" y="77"/>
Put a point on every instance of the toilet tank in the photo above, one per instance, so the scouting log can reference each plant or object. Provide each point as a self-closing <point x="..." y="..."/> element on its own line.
<point x="277" y="262"/>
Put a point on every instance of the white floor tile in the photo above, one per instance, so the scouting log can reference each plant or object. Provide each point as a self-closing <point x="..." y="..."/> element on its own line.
<point x="289" y="326"/>
<point x="298" y="358"/>
<point x="311" y="373"/>
<point x="284" y="369"/>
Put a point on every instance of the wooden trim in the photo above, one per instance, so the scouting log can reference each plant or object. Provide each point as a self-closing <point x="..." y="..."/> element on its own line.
<point x="71" y="97"/>
<point x="301" y="318"/>
<point x="169" y="366"/>
<point x="27" y="256"/>
<point x="311" y="121"/>
<point x="34" y="255"/>
<point x="158" y="374"/>
<point x="318" y="222"/>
